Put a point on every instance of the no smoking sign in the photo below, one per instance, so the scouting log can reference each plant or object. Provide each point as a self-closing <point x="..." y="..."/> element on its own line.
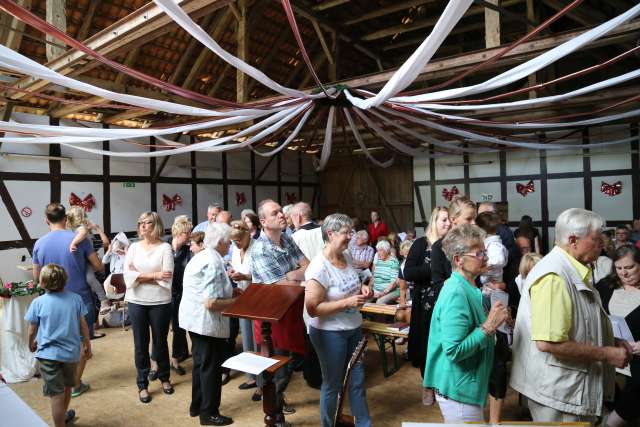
<point x="26" y="212"/>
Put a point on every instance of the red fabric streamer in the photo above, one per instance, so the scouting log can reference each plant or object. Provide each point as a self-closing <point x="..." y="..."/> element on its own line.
<point x="611" y="189"/>
<point x="241" y="199"/>
<point x="296" y="33"/>
<point x="525" y="189"/>
<point x="450" y="194"/>
<point x="86" y="204"/>
<point x="35" y="21"/>
<point x="170" y="203"/>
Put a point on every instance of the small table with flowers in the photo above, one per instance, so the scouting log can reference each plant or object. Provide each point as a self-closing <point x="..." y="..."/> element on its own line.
<point x="17" y="362"/>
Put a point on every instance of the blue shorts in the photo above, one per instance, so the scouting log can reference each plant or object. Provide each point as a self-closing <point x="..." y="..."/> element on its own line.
<point x="90" y="317"/>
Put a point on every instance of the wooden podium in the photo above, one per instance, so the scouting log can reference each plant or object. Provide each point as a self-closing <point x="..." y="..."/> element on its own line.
<point x="268" y="304"/>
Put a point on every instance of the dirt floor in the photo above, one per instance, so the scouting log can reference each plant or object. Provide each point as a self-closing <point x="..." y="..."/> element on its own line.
<point x="112" y="400"/>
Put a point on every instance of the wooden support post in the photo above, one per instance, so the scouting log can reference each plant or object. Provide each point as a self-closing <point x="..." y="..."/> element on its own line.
<point x="242" y="41"/>
<point x="56" y="17"/>
<point x="323" y="41"/>
<point x="531" y="16"/>
<point x="492" y="26"/>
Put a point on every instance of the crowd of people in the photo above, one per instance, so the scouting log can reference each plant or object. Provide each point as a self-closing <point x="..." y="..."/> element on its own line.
<point x="475" y="293"/>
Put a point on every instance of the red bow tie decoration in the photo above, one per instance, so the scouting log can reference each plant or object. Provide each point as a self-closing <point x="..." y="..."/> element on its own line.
<point x="170" y="203"/>
<point x="86" y="204"/>
<point x="291" y="198"/>
<point x="611" y="189"/>
<point x="525" y="189"/>
<point x="241" y="199"/>
<point x="450" y="194"/>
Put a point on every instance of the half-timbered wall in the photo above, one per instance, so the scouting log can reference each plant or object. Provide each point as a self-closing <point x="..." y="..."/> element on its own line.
<point x="562" y="179"/>
<point x="125" y="187"/>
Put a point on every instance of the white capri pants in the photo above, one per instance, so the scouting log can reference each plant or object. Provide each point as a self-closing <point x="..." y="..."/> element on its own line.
<point x="455" y="412"/>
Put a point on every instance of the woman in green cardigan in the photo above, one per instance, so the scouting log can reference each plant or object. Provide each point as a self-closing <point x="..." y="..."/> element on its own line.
<point x="461" y="337"/>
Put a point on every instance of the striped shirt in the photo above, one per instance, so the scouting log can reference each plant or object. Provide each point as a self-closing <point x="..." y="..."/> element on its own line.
<point x="385" y="272"/>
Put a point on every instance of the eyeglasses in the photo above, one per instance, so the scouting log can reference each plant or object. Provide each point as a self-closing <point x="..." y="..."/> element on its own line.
<point x="145" y="222"/>
<point x="481" y="254"/>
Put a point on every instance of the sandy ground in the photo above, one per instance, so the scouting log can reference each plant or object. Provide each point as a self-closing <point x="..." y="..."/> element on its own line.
<point x="112" y="400"/>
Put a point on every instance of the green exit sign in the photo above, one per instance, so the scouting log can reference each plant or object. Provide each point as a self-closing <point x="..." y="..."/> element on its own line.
<point x="129" y="184"/>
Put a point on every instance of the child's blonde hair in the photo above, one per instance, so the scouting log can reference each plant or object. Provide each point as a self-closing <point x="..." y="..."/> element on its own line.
<point x="527" y="262"/>
<point x="53" y="278"/>
<point x="181" y="224"/>
<point x="404" y="247"/>
<point x="76" y="217"/>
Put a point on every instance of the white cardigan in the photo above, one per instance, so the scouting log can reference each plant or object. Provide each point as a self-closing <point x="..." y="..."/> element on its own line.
<point x="158" y="258"/>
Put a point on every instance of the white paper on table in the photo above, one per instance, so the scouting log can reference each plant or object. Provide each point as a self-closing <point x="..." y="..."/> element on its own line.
<point x="503" y="297"/>
<point x="249" y="362"/>
<point x="620" y="328"/>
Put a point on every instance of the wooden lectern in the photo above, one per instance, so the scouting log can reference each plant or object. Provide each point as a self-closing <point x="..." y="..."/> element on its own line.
<point x="268" y="304"/>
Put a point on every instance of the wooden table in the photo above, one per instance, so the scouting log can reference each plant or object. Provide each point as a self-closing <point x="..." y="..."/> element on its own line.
<point x="385" y="337"/>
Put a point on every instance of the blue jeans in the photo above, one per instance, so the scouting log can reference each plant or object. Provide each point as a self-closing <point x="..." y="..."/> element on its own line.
<point x="90" y="317"/>
<point x="334" y="350"/>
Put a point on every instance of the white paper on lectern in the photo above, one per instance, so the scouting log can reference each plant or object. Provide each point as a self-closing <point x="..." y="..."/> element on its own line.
<point x="620" y="328"/>
<point x="249" y="362"/>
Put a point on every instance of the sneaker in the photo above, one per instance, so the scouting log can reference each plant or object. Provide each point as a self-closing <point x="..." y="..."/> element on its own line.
<point x="75" y="392"/>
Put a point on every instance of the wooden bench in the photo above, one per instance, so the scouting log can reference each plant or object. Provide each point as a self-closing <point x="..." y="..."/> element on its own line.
<point x="385" y="338"/>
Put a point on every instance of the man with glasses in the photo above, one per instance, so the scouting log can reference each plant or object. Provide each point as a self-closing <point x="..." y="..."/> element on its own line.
<point x="563" y="332"/>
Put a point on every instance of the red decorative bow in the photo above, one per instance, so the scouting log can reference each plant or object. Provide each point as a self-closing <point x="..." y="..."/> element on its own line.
<point x="611" y="189"/>
<point x="86" y="204"/>
<point x="241" y="199"/>
<point x="169" y="203"/>
<point x="291" y="198"/>
<point x="525" y="189"/>
<point x="450" y="194"/>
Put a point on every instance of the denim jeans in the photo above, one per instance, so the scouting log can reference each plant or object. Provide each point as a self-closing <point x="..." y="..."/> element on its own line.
<point x="334" y="350"/>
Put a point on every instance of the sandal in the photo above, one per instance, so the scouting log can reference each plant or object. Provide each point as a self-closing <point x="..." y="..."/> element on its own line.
<point x="144" y="399"/>
<point x="153" y="375"/>
<point x="167" y="388"/>
<point x="97" y="335"/>
<point x="247" y="386"/>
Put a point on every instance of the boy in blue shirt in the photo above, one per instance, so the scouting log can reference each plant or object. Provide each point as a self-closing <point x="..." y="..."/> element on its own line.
<point x="56" y="324"/>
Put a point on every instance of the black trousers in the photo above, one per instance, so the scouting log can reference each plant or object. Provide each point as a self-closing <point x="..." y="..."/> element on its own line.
<point x="206" y="388"/>
<point x="156" y="318"/>
<point x="179" y="345"/>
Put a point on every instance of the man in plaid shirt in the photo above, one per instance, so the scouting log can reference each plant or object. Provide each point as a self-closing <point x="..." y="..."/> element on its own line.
<point x="275" y="259"/>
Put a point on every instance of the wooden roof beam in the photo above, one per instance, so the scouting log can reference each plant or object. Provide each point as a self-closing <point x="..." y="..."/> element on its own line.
<point x="219" y="25"/>
<point x="188" y="52"/>
<point x="143" y="22"/>
<point x="56" y="17"/>
<point x="583" y="14"/>
<point x="270" y="56"/>
<point x="87" y="20"/>
<point x="429" y="22"/>
<point x="9" y="38"/>
<point x="329" y="4"/>
<point x="383" y="11"/>
<point x="342" y="33"/>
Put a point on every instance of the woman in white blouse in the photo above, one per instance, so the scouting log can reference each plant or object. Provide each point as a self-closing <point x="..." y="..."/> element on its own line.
<point x="333" y="297"/>
<point x="148" y="269"/>
<point x="241" y="274"/>
<point x="206" y="292"/>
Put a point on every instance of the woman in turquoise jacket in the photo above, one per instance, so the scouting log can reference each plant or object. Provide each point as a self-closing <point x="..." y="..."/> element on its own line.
<point x="461" y="337"/>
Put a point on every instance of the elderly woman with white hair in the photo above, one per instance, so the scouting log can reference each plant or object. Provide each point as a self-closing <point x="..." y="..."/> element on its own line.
<point x="332" y="298"/>
<point x="206" y="292"/>
<point x="385" y="275"/>
<point x="563" y="330"/>
<point x="361" y="253"/>
<point x="461" y="336"/>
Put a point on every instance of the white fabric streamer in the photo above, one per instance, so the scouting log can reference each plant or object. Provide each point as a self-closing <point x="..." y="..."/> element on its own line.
<point x="214" y="145"/>
<point x="413" y="66"/>
<point x="328" y="137"/>
<point x="282" y="146"/>
<point x="14" y="61"/>
<point x="529" y="67"/>
<point x="536" y="101"/>
<point x="477" y="137"/>
<point x="182" y="19"/>
<point x="475" y="122"/>
<point x="71" y="134"/>
<point x="363" y="147"/>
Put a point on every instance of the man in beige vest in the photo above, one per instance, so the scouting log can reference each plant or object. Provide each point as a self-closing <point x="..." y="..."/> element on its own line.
<point x="564" y="352"/>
